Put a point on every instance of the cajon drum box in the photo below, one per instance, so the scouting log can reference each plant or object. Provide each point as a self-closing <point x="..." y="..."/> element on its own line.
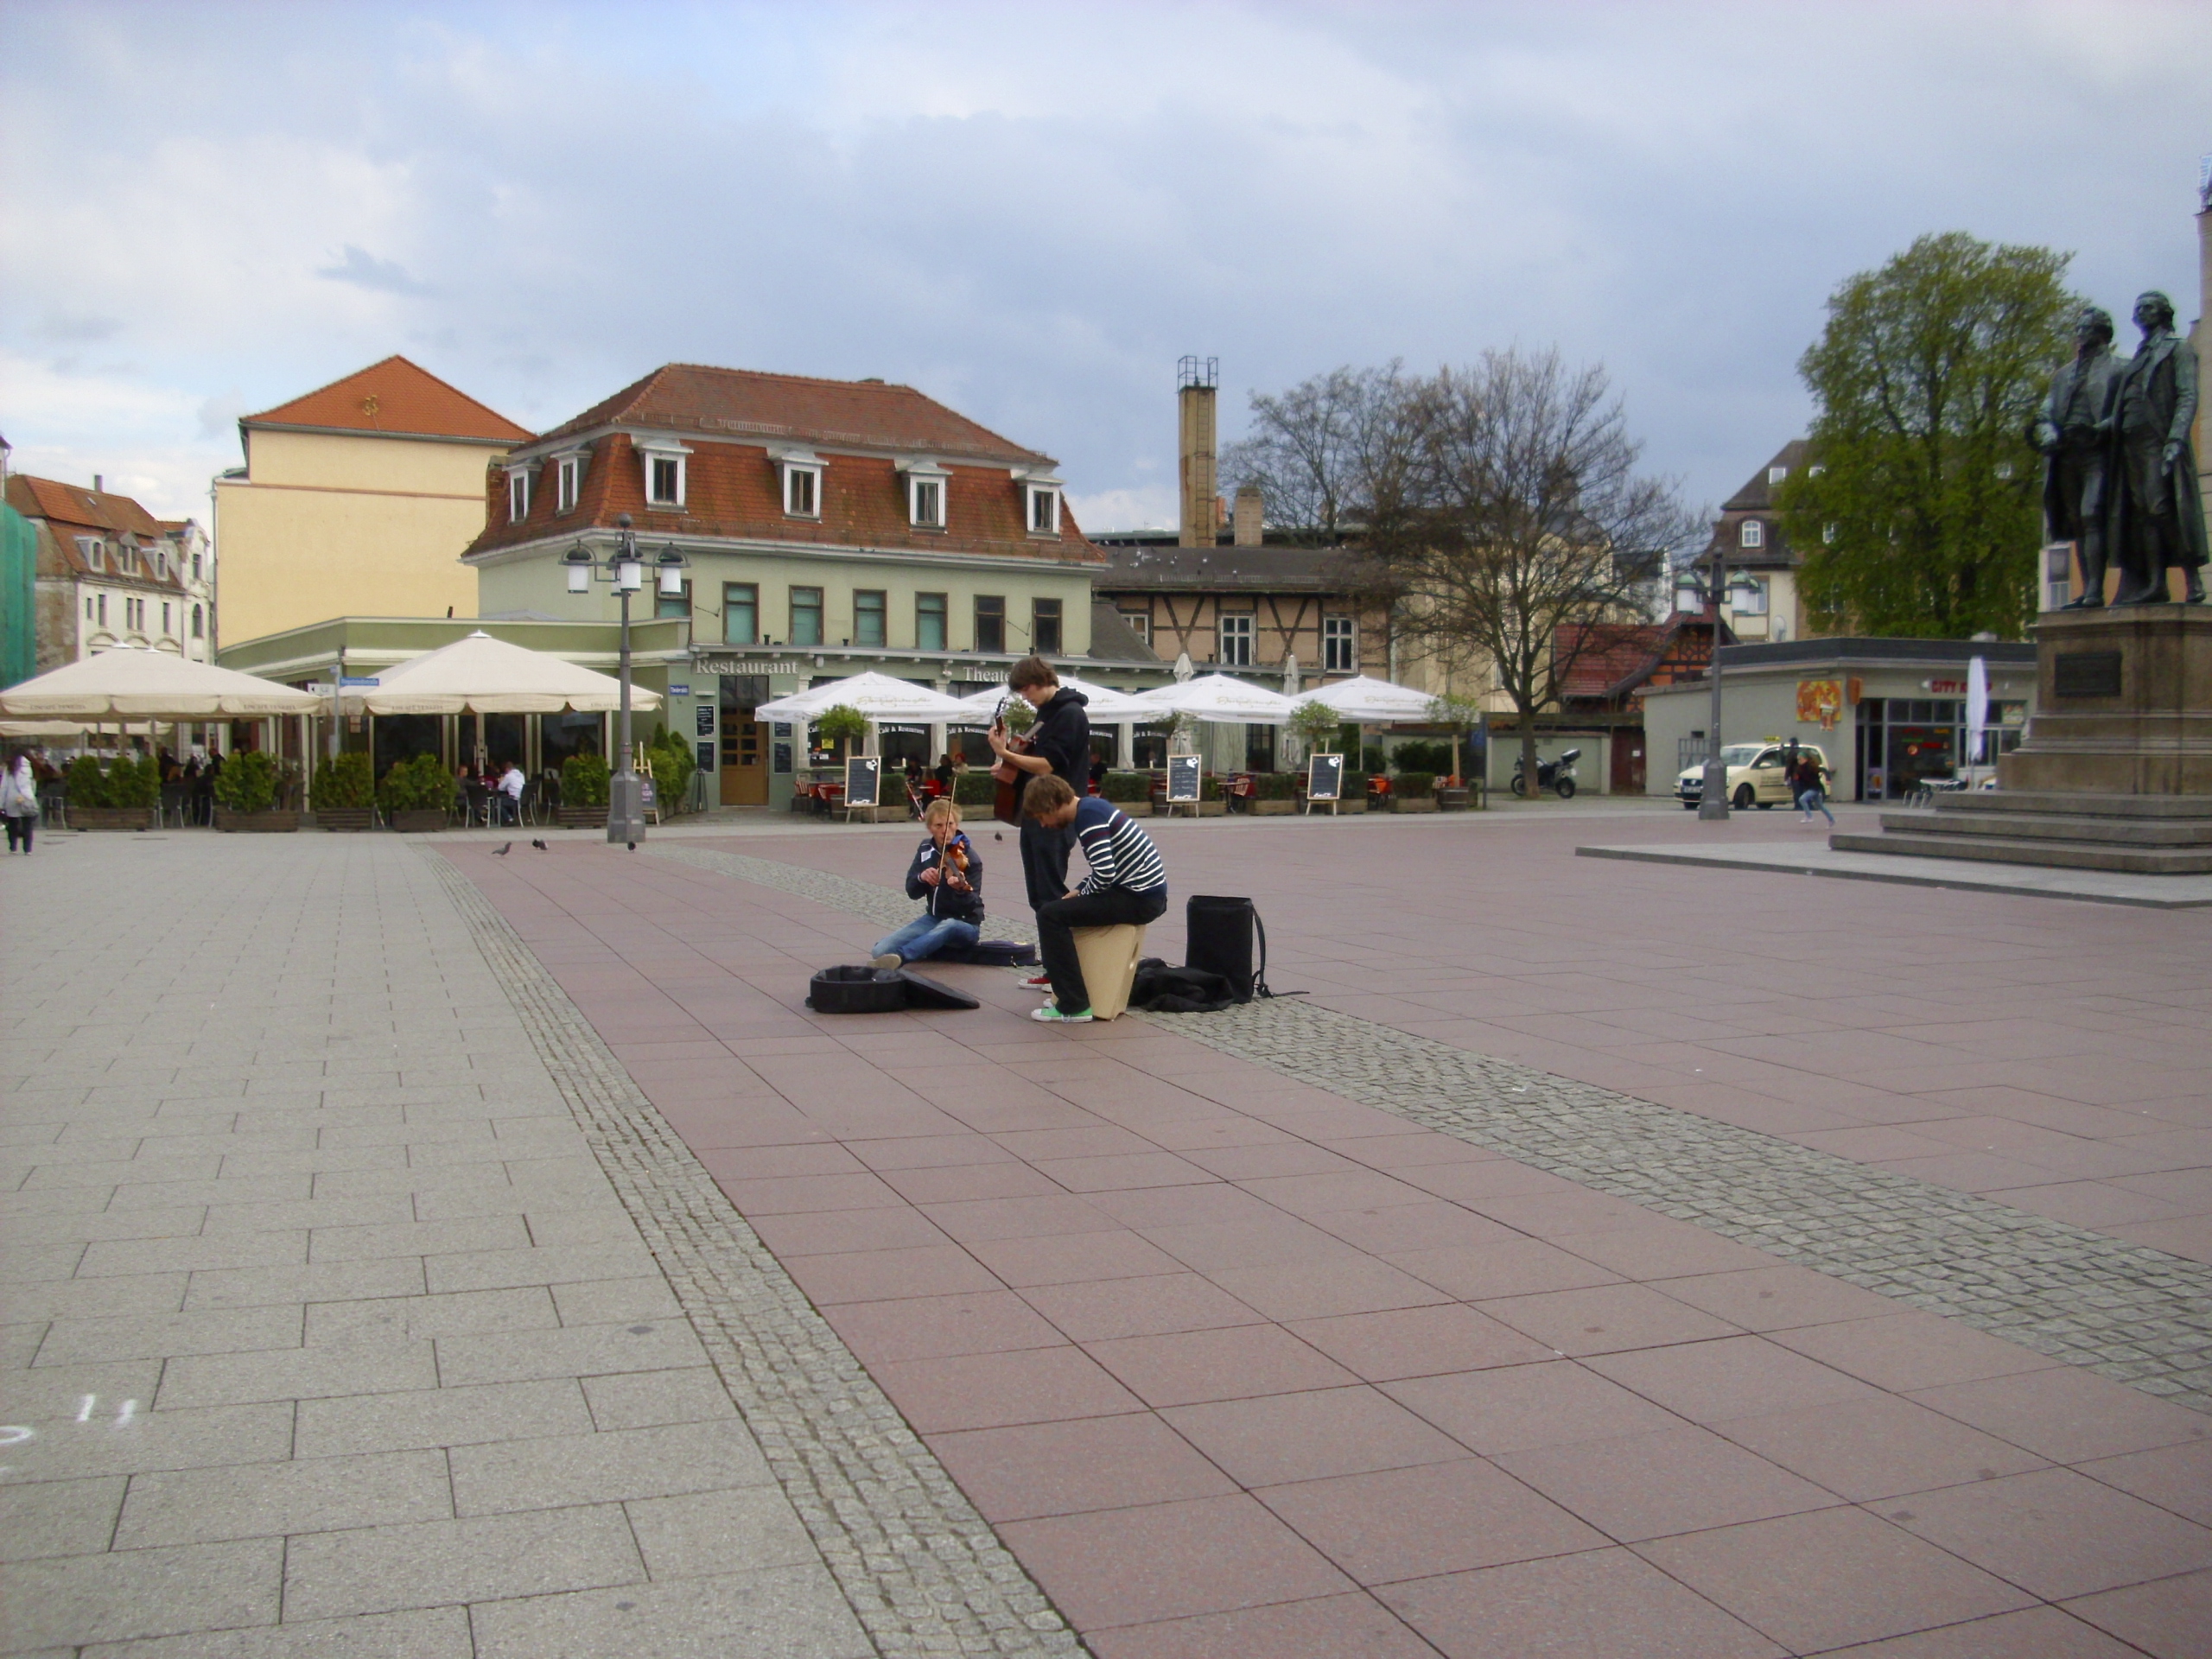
<point x="1109" y="956"/>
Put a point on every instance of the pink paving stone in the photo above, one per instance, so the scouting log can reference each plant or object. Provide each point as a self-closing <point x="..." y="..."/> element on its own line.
<point x="2176" y="1478"/>
<point x="1396" y="1524"/>
<point x="1735" y="1376"/>
<point x="1519" y="1406"/>
<point x="1170" y="1561"/>
<point x="2056" y="1533"/>
<point x="1912" y="1348"/>
<point x="1506" y="1267"/>
<point x="1271" y="1439"/>
<point x="1430" y="1226"/>
<point x="930" y="1151"/>
<point x="1606" y="1319"/>
<point x="2068" y="1415"/>
<point x="978" y="1220"/>
<point x="1316" y="1290"/>
<point x="1028" y="1385"/>
<point x="1419" y="1342"/>
<point x="777" y="1195"/>
<point x="1063" y="1468"/>
<point x="1830" y="1578"/>
<point x="2167" y="1619"/>
<point x="2037" y="1633"/>
<point x="1643" y="1486"/>
<point x="930" y="1327"/>
<point x="1073" y="1258"/>
<point x="1236" y="1362"/>
<point x="1604" y="1604"/>
<point x="1877" y="1448"/>
<point x="954" y="1182"/>
<point x="1779" y="1297"/>
<point x="1119" y="1171"/>
<point x="846" y="1229"/>
<point x="879" y="1275"/>
<point x="1331" y="1627"/>
<point x="1102" y="1309"/>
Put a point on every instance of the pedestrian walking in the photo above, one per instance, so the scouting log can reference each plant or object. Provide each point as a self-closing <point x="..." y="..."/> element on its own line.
<point x="19" y="801"/>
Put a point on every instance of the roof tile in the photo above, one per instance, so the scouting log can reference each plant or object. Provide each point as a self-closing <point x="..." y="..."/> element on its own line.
<point x="395" y="396"/>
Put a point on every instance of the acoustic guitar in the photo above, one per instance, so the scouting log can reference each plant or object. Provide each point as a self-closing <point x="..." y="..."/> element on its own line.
<point x="1006" y="802"/>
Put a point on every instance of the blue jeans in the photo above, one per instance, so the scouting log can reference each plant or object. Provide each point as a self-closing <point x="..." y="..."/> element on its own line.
<point x="924" y="937"/>
<point x="1811" y="801"/>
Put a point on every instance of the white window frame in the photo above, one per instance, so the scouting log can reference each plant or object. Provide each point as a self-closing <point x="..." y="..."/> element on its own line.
<point x="650" y="453"/>
<point x="1238" y="626"/>
<point x="162" y="563"/>
<point x="1750" y="533"/>
<point x="1137" y="622"/>
<point x="928" y="485"/>
<point x="568" y="481"/>
<point x="1775" y="475"/>
<point x="93" y="552"/>
<point x="1339" y="645"/>
<point x="1749" y="598"/>
<point x="522" y="483"/>
<point x="199" y="623"/>
<point x="165" y="618"/>
<point x="790" y="465"/>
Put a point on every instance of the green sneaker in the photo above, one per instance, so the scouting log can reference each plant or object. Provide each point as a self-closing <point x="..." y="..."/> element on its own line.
<point x="1052" y="1016"/>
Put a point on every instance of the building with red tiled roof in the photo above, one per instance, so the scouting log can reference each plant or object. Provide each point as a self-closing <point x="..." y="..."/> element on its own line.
<point x="358" y="498"/>
<point x="1751" y="537"/>
<point x="828" y="527"/>
<point x="109" y="573"/>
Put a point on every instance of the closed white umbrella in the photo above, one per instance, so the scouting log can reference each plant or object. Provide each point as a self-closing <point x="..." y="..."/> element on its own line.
<point x="1100" y="701"/>
<point x="1976" y="707"/>
<point x="483" y="675"/>
<point x="1367" y="701"/>
<point x="1218" y="698"/>
<point x="877" y="695"/>
<point x="129" y="683"/>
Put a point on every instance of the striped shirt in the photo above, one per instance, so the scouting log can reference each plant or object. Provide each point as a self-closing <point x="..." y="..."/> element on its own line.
<point x="1120" y="855"/>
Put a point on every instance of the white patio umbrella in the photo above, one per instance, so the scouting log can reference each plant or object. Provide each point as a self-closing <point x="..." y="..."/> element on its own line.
<point x="483" y="675"/>
<point x="877" y="695"/>
<point x="1368" y="701"/>
<point x="131" y="684"/>
<point x="1100" y="701"/>
<point x="1218" y="698"/>
<point x="1977" y="708"/>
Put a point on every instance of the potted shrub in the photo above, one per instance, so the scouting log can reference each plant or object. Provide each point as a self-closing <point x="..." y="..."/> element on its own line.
<point x="583" y="792"/>
<point x="417" y="796"/>
<point x="1274" y="794"/>
<point x="1413" y="792"/>
<point x="245" y="795"/>
<point x="1130" y="791"/>
<point x="344" y="793"/>
<point x="974" y="787"/>
<point x="841" y="726"/>
<point x="672" y="764"/>
<point x="122" y="798"/>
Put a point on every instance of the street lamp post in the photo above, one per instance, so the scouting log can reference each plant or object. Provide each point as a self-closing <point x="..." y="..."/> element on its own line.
<point x="624" y="567"/>
<point x="1713" y="792"/>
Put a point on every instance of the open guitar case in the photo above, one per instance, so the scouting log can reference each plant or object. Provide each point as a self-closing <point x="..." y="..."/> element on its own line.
<point x="863" y="990"/>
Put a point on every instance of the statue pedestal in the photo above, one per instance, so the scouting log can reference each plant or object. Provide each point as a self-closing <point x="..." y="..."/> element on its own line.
<point x="2123" y="704"/>
<point x="2116" y="771"/>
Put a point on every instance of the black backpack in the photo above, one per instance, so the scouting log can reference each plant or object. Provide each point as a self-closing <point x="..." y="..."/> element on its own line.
<point x="1165" y="988"/>
<point x="1217" y="936"/>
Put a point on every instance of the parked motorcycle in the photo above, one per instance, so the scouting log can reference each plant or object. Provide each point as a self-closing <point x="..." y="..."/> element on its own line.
<point x="1558" y="775"/>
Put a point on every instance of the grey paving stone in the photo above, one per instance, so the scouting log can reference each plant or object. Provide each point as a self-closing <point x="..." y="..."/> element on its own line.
<point x="600" y="1301"/>
<point x="438" y="1417"/>
<point x="606" y="1467"/>
<point x="58" y="1517"/>
<point x="417" y="1238"/>
<point x="380" y="1209"/>
<point x="704" y="1535"/>
<point x="790" y="1612"/>
<point x="142" y="1336"/>
<point x="574" y="1350"/>
<point x="287" y="1248"/>
<point x="485" y="1558"/>
<point x="643" y="1399"/>
<point x="274" y="1499"/>
<point x="123" y="1593"/>
<point x="298" y="1374"/>
<point x="329" y="1282"/>
<point x="557" y="1265"/>
<point x="428" y="1633"/>
<point x="134" y="1294"/>
<point x="467" y="1311"/>
<point x="108" y="1443"/>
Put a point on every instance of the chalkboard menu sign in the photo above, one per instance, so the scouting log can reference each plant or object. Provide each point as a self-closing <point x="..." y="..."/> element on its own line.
<point x="702" y="715"/>
<point x="1324" y="777"/>
<point x="862" y="773"/>
<point x="707" y="757"/>
<point x="1182" y="778"/>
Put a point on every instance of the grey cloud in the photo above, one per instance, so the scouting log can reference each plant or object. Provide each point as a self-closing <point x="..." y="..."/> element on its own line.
<point x="64" y="329"/>
<point x="365" y="269"/>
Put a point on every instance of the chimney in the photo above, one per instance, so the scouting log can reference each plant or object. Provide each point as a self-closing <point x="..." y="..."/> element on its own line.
<point x="1196" y="380"/>
<point x="1247" y="517"/>
<point x="96" y="489"/>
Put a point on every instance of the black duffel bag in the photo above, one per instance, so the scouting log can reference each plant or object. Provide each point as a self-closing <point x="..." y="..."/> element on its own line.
<point x="1162" y="988"/>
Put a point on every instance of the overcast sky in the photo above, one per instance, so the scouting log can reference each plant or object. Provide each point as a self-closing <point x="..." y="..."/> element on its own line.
<point x="1030" y="210"/>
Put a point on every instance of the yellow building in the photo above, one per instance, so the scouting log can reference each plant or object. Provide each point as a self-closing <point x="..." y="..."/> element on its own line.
<point x="357" y="500"/>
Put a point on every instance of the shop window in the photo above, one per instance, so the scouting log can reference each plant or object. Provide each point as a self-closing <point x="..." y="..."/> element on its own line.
<point x="1339" y="645"/>
<point x="868" y="617"/>
<point x="675" y="604"/>
<point x="1235" y="642"/>
<point x="806" y="616"/>
<point x="740" y="614"/>
<point x="928" y="622"/>
<point x="1044" y="627"/>
<point x="990" y="622"/>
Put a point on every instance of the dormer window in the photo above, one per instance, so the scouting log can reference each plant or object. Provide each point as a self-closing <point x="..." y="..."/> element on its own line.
<point x="1040" y="500"/>
<point x="665" y="469"/>
<point x="926" y="482"/>
<point x="1775" y="475"/>
<point x="1753" y="534"/>
<point x="95" y="554"/>
<point x="568" y="481"/>
<point x="801" y="470"/>
<point x="519" y="480"/>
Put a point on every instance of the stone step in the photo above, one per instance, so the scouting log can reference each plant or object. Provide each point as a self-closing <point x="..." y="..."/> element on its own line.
<point x="2055" y="855"/>
<point x="2067" y="804"/>
<point x="2046" y="826"/>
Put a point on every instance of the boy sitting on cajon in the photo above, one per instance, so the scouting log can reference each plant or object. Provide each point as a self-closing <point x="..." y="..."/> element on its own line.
<point x="1127" y="884"/>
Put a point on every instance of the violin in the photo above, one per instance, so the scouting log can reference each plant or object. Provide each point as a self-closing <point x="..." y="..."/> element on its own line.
<point x="954" y="863"/>
<point x="1006" y="805"/>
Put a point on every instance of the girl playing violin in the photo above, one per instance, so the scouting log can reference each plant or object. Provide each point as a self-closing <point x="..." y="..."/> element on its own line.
<point x="947" y="876"/>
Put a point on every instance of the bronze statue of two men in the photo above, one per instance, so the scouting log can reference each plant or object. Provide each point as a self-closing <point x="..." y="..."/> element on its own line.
<point x="2120" y="476"/>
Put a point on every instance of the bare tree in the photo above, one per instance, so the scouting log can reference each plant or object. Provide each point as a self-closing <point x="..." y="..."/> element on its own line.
<point x="1506" y="510"/>
<point x="1314" y="449"/>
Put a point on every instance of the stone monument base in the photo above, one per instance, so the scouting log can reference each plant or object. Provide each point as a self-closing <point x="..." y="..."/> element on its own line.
<point x="2116" y="770"/>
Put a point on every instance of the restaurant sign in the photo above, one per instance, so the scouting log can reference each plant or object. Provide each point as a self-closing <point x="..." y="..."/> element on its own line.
<point x="730" y="661"/>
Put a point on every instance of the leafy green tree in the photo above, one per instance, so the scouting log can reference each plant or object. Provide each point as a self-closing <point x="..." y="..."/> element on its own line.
<point x="1920" y="514"/>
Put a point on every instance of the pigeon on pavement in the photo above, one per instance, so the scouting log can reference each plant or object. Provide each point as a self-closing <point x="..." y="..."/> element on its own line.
<point x="504" y="850"/>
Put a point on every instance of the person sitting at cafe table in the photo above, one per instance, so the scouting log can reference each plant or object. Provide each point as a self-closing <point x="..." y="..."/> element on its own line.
<point x="947" y="876"/>
<point x="511" y="785"/>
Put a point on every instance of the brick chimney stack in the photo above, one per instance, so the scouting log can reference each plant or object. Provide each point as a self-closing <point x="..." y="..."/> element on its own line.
<point x="1196" y="381"/>
<point x="1247" y="516"/>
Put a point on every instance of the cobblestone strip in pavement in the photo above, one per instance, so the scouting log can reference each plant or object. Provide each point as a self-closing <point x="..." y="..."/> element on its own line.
<point x="924" y="1570"/>
<point x="2135" y="1314"/>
